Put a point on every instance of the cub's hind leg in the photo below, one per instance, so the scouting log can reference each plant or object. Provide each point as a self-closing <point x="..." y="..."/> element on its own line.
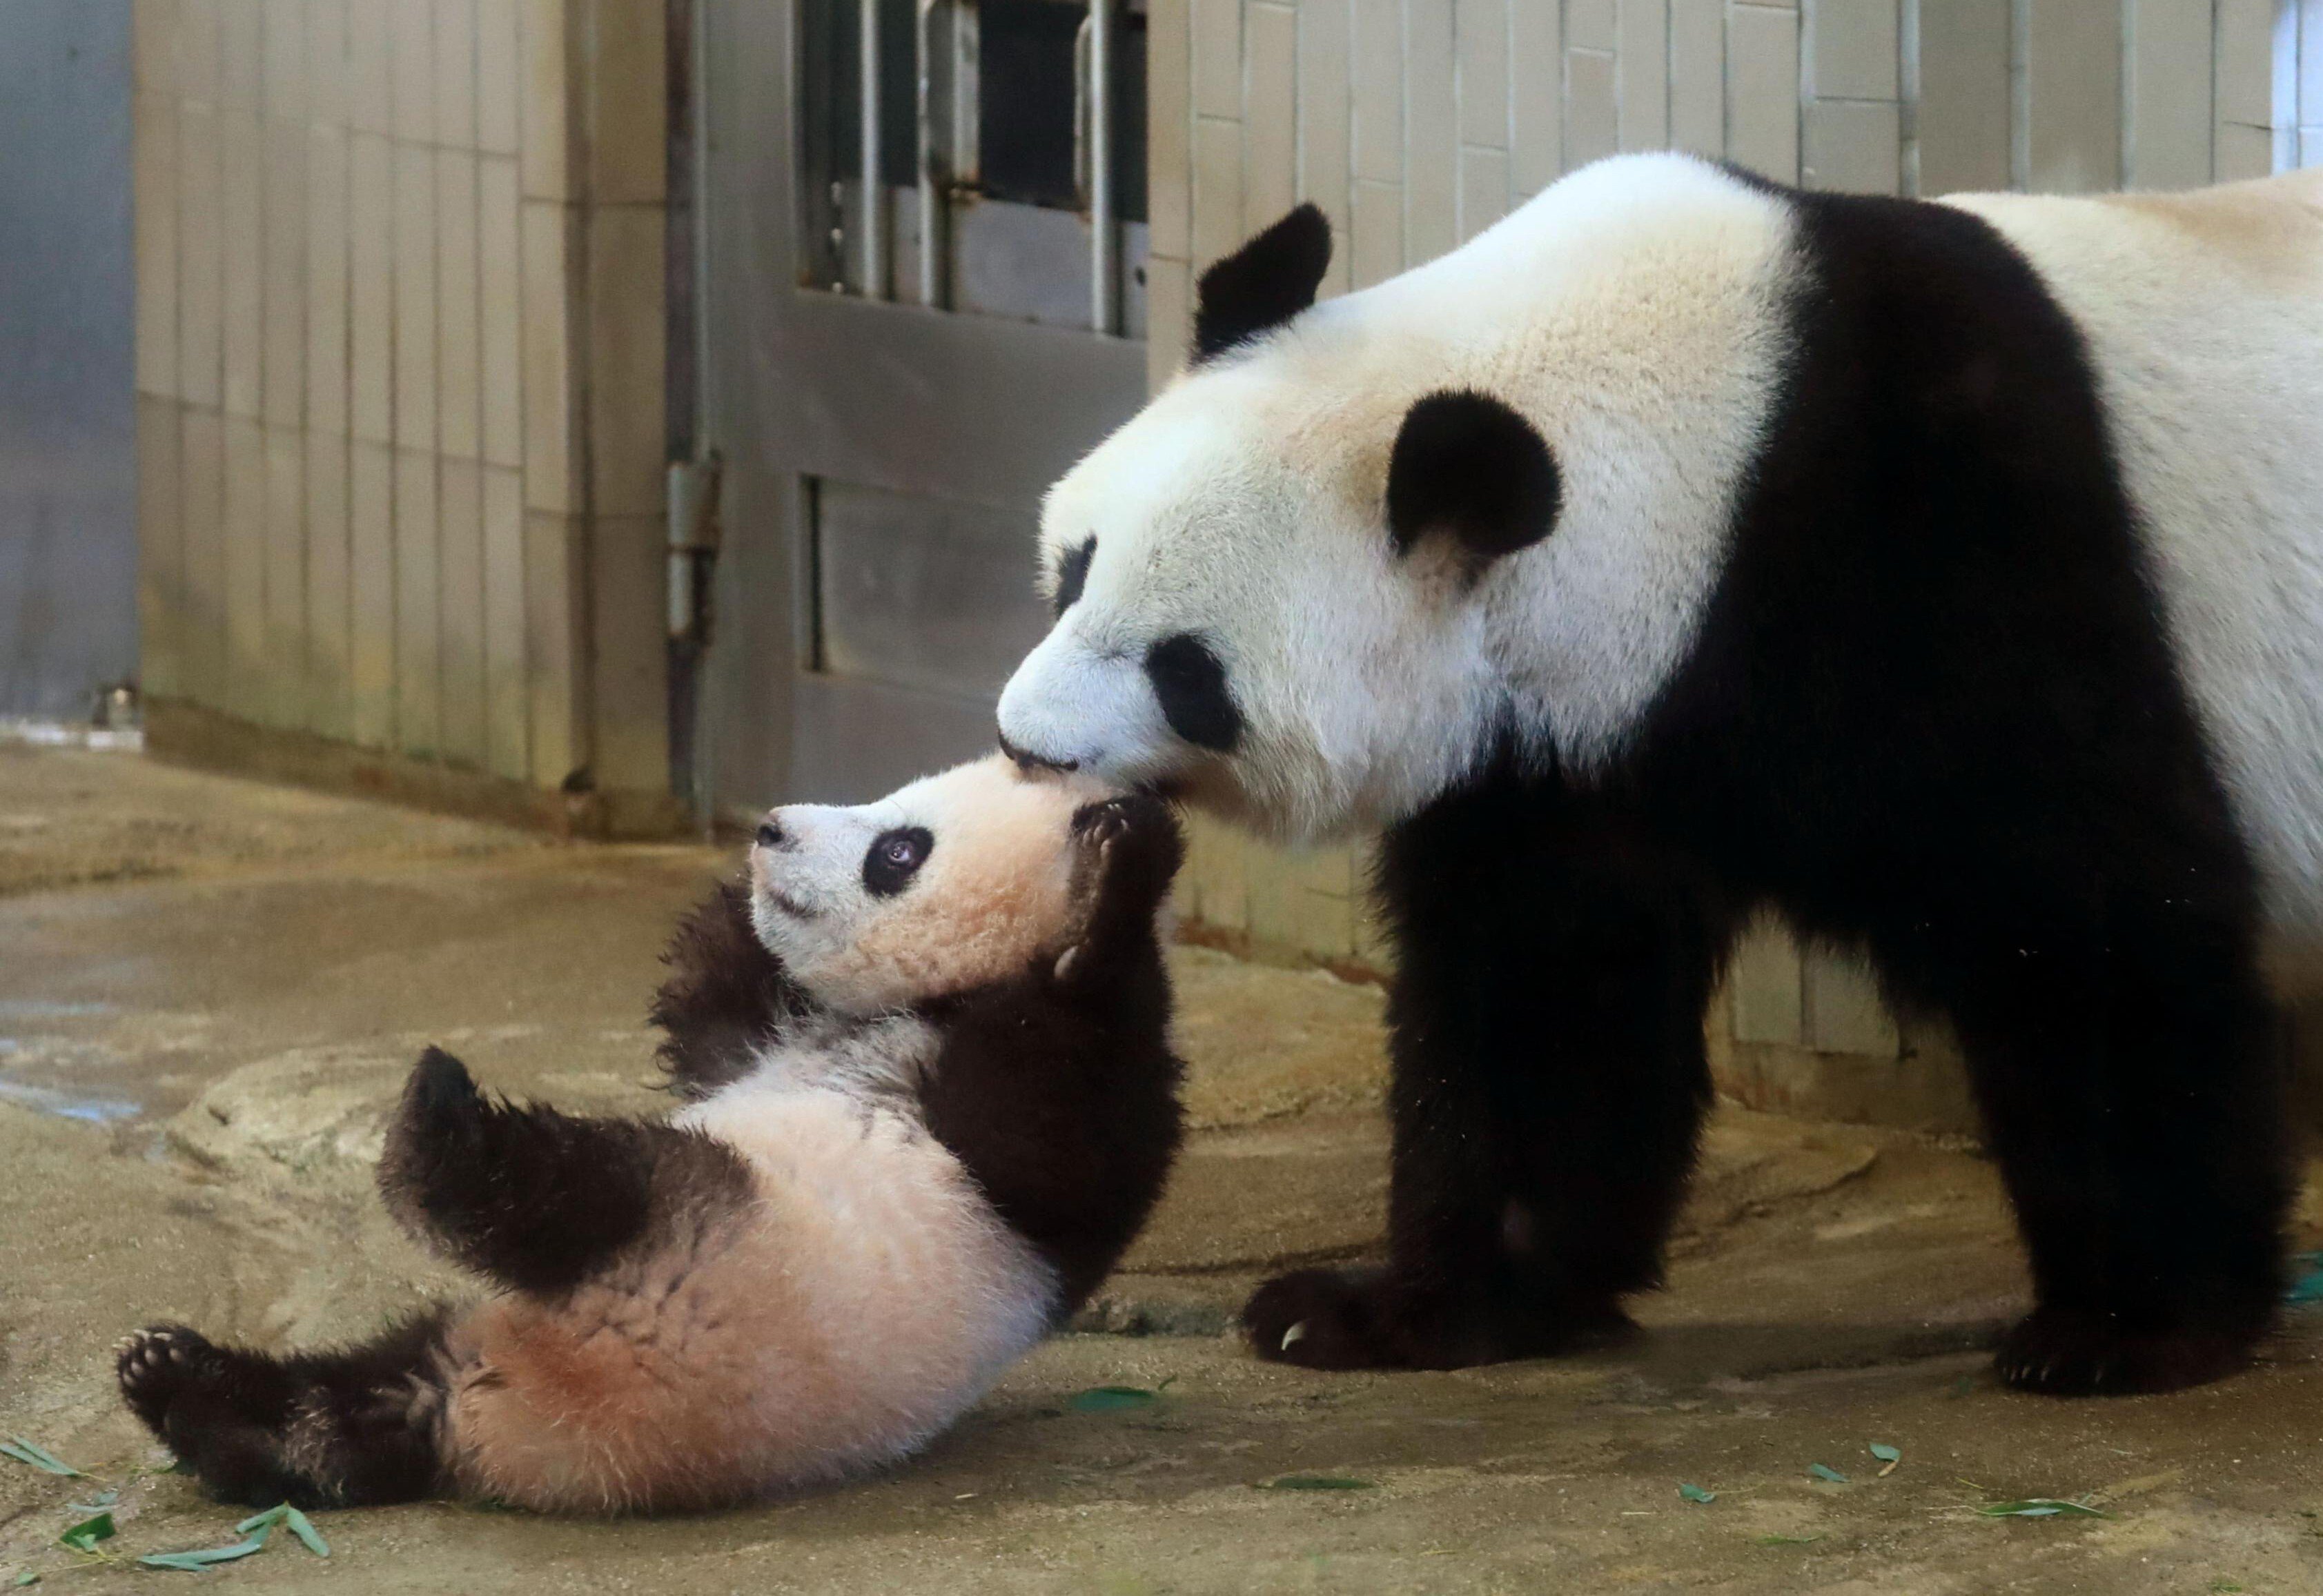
<point x="344" y="1428"/>
<point x="537" y="1199"/>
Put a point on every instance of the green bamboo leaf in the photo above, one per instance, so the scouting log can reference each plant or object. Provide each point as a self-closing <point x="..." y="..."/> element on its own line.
<point x="1885" y="1453"/>
<point x="1111" y="1399"/>
<point x="40" y="1457"/>
<point x="84" y="1535"/>
<point x="1826" y="1473"/>
<point x="2039" y="1506"/>
<point x="1787" y="1540"/>
<point x="1696" y="1494"/>
<point x="196" y="1561"/>
<point x="300" y="1525"/>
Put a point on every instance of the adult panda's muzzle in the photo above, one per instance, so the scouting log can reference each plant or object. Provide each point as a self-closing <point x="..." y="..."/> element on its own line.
<point x="1070" y="707"/>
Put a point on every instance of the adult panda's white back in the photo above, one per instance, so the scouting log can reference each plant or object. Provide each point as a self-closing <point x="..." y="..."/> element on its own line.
<point x="2203" y="314"/>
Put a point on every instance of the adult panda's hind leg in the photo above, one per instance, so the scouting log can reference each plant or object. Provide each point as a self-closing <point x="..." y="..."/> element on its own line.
<point x="1553" y="966"/>
<point x="2124" y="1055"/>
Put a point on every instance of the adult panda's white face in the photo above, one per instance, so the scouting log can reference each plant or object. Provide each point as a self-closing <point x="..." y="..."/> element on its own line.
<point x="1320" y="577"/>
<point x="958" y="880"/>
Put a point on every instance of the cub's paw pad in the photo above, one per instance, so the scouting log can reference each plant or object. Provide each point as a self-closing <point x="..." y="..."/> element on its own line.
<point x="2071" y="1353"/>
<point x="159" y="1363"/>
<point x="1317" y="1319"/>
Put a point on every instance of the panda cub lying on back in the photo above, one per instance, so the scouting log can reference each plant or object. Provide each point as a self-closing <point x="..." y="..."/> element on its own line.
<point x="933" y="1099"/>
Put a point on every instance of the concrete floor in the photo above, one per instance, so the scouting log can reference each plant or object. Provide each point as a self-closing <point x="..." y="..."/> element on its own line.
<point x="210" y="992"/>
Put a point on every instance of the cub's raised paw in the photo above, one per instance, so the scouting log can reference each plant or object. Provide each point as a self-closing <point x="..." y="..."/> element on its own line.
<point x="1136" y="847"/>
<point x="159" y="1363"/>
<point x="2076" y="1352"/>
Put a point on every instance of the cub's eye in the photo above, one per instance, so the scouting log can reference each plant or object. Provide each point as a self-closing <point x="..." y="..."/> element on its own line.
<point x="895" y="856"/>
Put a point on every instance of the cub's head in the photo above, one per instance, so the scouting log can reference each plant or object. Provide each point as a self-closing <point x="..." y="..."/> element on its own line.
<point x="953" y="881"/>
<point x="1321" y="576"/>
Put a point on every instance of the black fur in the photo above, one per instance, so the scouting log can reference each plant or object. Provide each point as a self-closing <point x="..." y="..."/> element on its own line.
<point x="894" y="857"/>
<point x="1467" y="467"/>
<point x="1057" y="1091"/>
<point x="1263" y="284"/>
<point x="1933" y="715"/>
<point x="347" y="1428"/>
<point x="724" y="996"/>
<point x="1072" y="573"/>
<point x="536" y="1200"/>
<point x="1190" y="684"/>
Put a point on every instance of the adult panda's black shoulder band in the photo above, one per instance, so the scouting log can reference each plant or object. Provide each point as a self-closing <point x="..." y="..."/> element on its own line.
<point x="1263" y="284"/>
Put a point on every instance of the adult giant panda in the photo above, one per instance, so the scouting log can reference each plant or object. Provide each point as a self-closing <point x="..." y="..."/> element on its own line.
<point x="1948" y="576"/>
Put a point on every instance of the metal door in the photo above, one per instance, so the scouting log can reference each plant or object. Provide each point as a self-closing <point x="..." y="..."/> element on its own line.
<point x="921" y="230"/>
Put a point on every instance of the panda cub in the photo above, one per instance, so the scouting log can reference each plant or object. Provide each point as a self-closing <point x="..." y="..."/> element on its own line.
<point x="932" y="1099"/>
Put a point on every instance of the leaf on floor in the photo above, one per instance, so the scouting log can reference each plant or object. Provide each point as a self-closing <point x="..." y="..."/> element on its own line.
<point x="84" y="1535"/>
<point x="290" y="1519"/>
<point x="40" y="1457"/>
<point x="1696" y="1493"/>
<point x="2039" y="1507"/>
<point x="196" y="1561"/>
<point x="1826" y="1473"/>
<point x="1315" y="1482"/>
<point x="1786" y="1540"/>
<point x="1888" y="1456"/>
<point x="1111" y="1399"/>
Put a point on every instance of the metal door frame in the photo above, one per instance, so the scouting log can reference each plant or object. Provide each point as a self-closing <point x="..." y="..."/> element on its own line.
<point x="776" y="729"/>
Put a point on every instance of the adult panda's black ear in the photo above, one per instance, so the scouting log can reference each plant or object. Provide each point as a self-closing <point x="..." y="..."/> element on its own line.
<point x="1467" y="467"/>
<point x="1263" y="284"/>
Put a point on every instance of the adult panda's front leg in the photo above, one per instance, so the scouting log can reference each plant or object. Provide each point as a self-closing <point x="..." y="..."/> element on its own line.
<point x="1553" y="966"/>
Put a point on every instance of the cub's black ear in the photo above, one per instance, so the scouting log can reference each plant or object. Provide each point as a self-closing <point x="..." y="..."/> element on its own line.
<point x="1469" y="467"/>
<point x="1263" y="284"/>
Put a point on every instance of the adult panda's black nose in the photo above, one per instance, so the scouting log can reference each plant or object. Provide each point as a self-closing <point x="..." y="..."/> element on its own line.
<point x="1027" y="760"/>
<point x="770" y="835"/>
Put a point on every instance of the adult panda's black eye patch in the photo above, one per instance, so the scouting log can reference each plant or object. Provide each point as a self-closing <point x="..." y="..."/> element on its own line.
<point x="1470" y="467"/>
<point x="1189" y="683"/>
<point x="1072" y="573"/>
<point x="894" y="858"/>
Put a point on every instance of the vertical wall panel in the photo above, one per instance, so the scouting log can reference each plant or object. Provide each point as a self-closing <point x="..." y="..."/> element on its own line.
<point x="1642" y="67"/>
<point x="327" y="62"/>
<point x="1593" y="128"/>
<point x="505" y="718"/>
<point x="201" y="257"/>
<point x="459" y="352"/>
<point x="2168" y="143"/>
<point x="2073" y="95"/>
<point x="1168" y="127"/>
<point x="242" y="215"/>
<point x="1698" y="77"/>
<point x="456" y="72"/>
<point x="1483" y="189"/>
<point x="415" y="297"/>
<point x="1270" y="127"/>
<point x="1592" y="24"/>
<point x="498" y="78"/>
<point x="329" y="706"/>
<point x="1218" y="58"/>
<point x="201" y="620"/>
<point x="549" y="463"/>
<point x="461" y="537"/>
<point x="500" y="251"/>
<point x="1852" y="146"/>
<point x="1378" y="97"/>
<point x="243" y="549"/>
<point x="370" y="587"/>
<point x="1375" y="242"/>
<point x="371" y="288"/>
<point x="1218" y="189"/>
<point x="411" y="38"/>
<point x="1481" y="30"/>
<point x="419" y="631"/>
<point x="1762" y="92"/>
<point x="283" y="701"/>
<point x="554" y="589"/>
<point x="326" y="280"/>
<point x="1537" y="95"/>
<point x="284" y="303"/>
<point x="160" y="545"/>
<point x="1851" y="48"/>
<point x="1431" y="151"/>
<point x="1964" y="98"/>
<point x="1324" y="172"/>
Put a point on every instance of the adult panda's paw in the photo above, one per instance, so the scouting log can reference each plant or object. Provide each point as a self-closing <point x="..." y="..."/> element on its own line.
<point x="2060" y="1351"/>
<point x="1373" y="1319"/>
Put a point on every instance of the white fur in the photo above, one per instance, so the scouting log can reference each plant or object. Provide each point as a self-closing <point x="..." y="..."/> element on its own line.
<point x="2204" y="314"/>
<point x="869" y="1293"/>
<point x="1631" y="312"/>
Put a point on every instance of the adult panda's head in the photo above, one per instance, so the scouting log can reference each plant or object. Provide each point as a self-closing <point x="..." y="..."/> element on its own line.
<point x="1323" y="574"/>
<point x="958" y="880"/>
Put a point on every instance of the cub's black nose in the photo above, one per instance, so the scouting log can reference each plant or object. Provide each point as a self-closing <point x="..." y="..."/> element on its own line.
<point x="1027" y="760"/>
<point x="770" y="835"/>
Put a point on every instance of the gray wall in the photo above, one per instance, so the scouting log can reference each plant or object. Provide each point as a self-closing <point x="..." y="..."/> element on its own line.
<point x="68" y="459"/>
